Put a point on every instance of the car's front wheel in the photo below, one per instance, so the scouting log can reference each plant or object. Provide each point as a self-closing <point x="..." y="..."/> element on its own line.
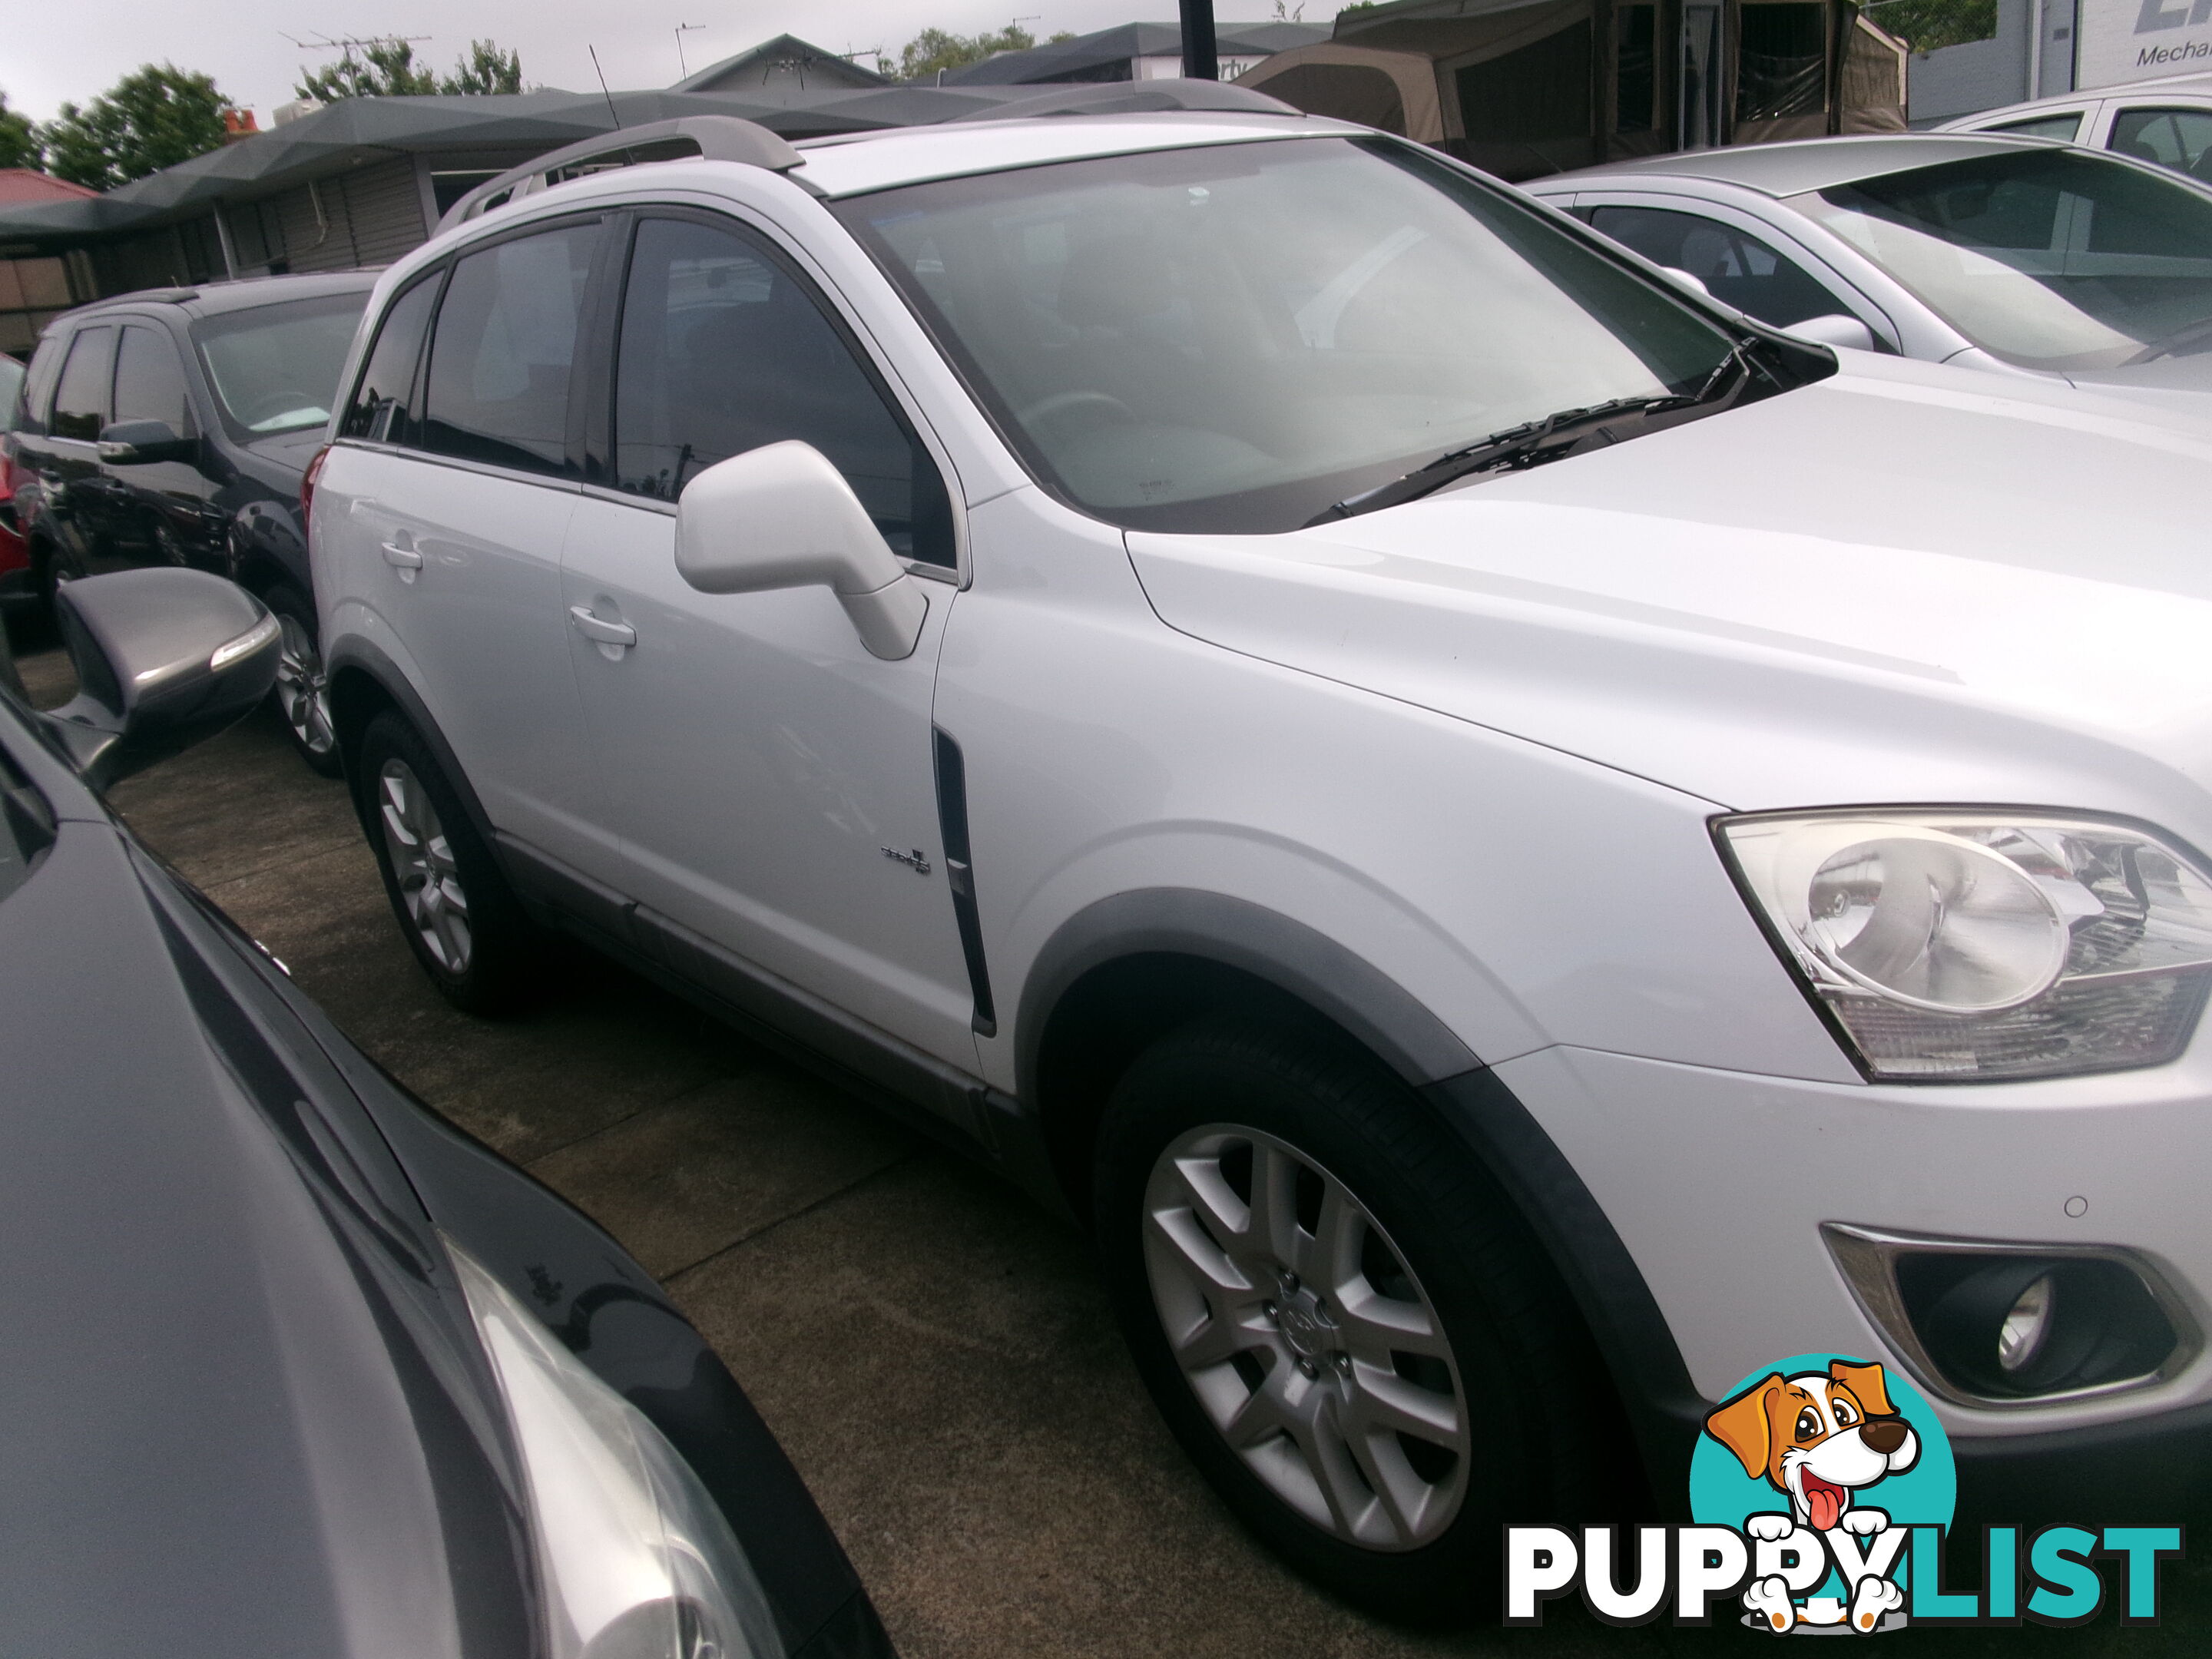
<point x="1341" y="1316"/>
<point x="460" y="917"/>
<point x="302" y="690"/>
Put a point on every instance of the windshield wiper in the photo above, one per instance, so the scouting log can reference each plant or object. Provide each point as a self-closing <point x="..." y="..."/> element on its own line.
<point x="1553" y="438"/>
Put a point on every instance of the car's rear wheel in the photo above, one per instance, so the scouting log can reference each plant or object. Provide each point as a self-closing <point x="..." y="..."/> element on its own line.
<point x="1342" y="1317"/>
<point x="301" y="693"/>
<point x="459" y="918"/>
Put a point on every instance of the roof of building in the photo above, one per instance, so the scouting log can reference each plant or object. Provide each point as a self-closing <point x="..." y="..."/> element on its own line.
<point x="1083" y="57"/>
<point x="786" y="60"/>
<point x="27" y="185"/>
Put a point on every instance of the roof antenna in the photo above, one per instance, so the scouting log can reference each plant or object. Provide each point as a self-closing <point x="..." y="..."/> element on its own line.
<point x="612" y="115"/>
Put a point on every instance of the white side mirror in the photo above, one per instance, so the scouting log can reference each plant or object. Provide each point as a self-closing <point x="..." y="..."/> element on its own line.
<point x="1836" y="330"/>
<point x="782" y="516"/>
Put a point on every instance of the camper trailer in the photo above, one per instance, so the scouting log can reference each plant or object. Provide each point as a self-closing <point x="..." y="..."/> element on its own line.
<point x="1526" y="87"/>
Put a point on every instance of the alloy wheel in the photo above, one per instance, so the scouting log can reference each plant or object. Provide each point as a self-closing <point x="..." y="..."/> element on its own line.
<point x="302" y="690"/>
<point x="1305" y="1337"/>
<point x="422" y="864"/>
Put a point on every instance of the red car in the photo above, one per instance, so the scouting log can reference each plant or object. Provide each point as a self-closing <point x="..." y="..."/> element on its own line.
<point x="15" y="557"/>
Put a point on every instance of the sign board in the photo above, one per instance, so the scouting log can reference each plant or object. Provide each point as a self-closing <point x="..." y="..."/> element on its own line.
<point x="2142" y="40"/>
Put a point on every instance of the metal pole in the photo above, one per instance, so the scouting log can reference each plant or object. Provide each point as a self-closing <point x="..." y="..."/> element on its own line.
<point x="1201" y="58"/>
<point x="2036" y="26"/>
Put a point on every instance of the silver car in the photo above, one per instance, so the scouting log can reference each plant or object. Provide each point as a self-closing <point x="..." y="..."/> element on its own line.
<point x="2012" y="254"/>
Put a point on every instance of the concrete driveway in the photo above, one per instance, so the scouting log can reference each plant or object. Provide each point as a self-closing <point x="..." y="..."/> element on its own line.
<point x="935" y="1353"/>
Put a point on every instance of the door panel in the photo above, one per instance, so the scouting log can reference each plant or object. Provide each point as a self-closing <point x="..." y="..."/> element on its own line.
<point x="76" y="490"/>
<point x="770" y="783"/>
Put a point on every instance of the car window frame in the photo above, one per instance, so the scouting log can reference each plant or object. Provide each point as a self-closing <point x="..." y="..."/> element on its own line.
<point x="1856" y="300"/>
<point x="180" y="353"/>
<point x="112" y="327"/>
<point x="432" y="276"/>
<point x="2120" y="111"/>
<point x="611" y="280"/>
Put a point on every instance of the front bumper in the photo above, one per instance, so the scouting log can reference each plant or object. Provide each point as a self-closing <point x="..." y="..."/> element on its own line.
<point x="1718" y="1183"/>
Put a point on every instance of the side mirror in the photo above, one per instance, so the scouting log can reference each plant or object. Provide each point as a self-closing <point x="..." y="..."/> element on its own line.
<point x="782" y="516"/>
<point x="1836" y="330"/>
<point x="165" y="658"/>
<point x="128" y="441"/>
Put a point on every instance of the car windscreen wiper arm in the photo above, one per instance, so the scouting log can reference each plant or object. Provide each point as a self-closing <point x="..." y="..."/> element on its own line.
<point x="1532" y="443"/>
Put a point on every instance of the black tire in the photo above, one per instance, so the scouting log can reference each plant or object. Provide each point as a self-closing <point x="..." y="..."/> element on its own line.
<point x="499" y="970"/>
<point x="299" y="698"/>
<point x="1538" y="1418"/>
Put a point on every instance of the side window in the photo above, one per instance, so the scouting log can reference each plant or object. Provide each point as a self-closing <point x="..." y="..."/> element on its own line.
<point x="382" y="409"/>
<point x="81" y="400"/>
<point x="2065" y="128"/>
<point x="2176" y="138"/>
<point x="502" y="348"/>
<point x="1736" y="268"/>
<point x="149" y="380"/>
<point x="722" y="350"/>
<point x="36" y="414"/>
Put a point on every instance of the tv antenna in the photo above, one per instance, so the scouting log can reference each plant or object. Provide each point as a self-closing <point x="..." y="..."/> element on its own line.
<point x="683" y="29"/>
<point x="323" y="43"/>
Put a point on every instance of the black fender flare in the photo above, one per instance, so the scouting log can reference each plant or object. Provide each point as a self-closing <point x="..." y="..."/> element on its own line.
<point x="1664" y="1406"/>
<point x="356" y="655"/>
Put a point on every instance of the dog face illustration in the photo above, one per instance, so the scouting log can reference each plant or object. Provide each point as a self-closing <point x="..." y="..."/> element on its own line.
<point x="1819" y="1437"/>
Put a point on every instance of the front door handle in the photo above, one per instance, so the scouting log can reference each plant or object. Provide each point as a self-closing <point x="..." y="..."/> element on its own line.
<point x="405" y="560"/>
<point x="600" y="631"/>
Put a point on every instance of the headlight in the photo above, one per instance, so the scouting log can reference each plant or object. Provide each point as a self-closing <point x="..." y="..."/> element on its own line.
<point x="636" y="1560"/>
<point x="1957" y="946"/>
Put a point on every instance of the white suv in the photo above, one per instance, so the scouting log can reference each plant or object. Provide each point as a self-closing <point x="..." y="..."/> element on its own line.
<point x="1517" y="845"/>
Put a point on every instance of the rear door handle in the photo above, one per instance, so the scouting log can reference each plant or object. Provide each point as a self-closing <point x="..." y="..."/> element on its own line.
<point x="401" y="558"/>
<point x="599" y="630"/>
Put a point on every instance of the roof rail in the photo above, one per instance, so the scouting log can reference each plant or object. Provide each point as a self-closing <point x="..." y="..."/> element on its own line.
<point x="1137" y="98"/>
<point x="714" y="138"/>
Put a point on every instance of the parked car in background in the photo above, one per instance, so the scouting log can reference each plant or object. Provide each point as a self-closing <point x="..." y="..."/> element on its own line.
<point x="2165" y="122"/>
<point x="16" y="586"/>
<point x="2016" y="255"/>
<point x="1344" y="730"/>
<point x="295" y="1367"/>
<point x="173" y="426"/>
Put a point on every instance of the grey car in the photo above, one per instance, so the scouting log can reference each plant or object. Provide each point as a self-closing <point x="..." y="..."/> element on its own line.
<point x="2012" y="254"/>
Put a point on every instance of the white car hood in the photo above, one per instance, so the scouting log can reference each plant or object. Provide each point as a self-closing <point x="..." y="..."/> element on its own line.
<point x="1903" y="582"/>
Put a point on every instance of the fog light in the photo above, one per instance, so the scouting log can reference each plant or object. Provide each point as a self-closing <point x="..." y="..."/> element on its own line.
<point x="2022" y="1337"/>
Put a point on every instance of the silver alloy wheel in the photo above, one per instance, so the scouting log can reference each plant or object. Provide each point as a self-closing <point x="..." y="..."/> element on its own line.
<point x="303" y="689"/>
<point x="1305" y="1337"/>
<point x="422" y="861"/>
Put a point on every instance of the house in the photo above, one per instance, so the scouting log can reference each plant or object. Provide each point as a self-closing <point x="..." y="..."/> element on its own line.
<point x="785" y="65"/>
<point x="1133" y="51"/>
<point x="33" y="285"/>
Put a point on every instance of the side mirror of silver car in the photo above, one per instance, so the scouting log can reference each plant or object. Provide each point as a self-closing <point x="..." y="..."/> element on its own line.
<point x="165" y="658"/>
<point x="782" y="516"/>
<point x="1835" y="330"/>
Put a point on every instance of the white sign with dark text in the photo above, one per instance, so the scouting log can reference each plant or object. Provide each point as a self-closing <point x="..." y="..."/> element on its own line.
<point x="2142" y="39"/>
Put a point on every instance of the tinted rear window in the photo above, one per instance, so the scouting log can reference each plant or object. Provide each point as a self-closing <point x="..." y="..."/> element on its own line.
<point x="383" y="409"/>
<point x="81" y="401"/>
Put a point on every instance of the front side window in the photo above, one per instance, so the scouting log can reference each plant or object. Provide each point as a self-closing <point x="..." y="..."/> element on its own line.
<point x="149" y="380"/>
<point x="723" y="350"/>
<point x="382" y="409"/>
<point x="502" y="349"/>
<point x="2063" y="128"/>
<point x="276" y="369"/>
<point x="1737" y="268"/>
<point x="2053" y="259"/>
<point x="1233" y="338"/>
<point x="81" y="400"/>
<point x="2176" y="138"/>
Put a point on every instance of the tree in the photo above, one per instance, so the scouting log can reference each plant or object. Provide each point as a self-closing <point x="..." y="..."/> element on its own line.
<point x="18" y="139"/>
<point x="486" y="69"/>
<point x="934" y="50"/>
<point x="387" y="68"/>
<point x="153" y="119"/>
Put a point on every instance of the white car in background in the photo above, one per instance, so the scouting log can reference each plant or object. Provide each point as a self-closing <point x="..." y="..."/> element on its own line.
<point x="2166" y="122"/>
<point x="2018" y="255"/>
<point x="1515" y="845"/>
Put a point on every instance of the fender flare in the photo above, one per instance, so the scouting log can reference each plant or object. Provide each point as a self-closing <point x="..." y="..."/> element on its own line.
<point x="359" y="656"/>
<point x="1664" y="1406"/>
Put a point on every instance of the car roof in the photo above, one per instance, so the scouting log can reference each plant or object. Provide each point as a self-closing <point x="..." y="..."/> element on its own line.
<point x="1803" y="164"/>
<point x="2185" y="86"/>
<point x="241" y="294"/>
<point x="855" y="163"/>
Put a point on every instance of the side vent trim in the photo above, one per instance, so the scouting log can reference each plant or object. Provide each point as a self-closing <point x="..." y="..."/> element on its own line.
<point x="952" y="829"/>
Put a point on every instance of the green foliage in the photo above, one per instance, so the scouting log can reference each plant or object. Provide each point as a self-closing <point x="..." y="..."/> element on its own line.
<point x="1928" y="25"/>
<point x="19" y="138"/>
<point x="387" y="68"/>
<point x="153" y="119"/>
<point x="487" y="69"/>
<point x="936" y="50"/>
<point x="1356" y="6"/>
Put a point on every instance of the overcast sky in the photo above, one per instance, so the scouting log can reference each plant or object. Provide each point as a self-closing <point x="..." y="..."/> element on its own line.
<point x="52" y="50"/>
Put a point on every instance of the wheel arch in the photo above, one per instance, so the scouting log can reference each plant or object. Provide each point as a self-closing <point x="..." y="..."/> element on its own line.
<point x="363" y="683"/>
<point x="1125" y="971"/>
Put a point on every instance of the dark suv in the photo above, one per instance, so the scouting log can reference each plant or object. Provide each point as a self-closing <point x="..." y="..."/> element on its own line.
<point x="172" y="426"/>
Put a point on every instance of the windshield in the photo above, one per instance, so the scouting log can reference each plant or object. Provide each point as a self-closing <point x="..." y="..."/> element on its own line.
<point x="276" y="369"/>
<point x="1233" y="337"/>
<point x="2052" y="259"/>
